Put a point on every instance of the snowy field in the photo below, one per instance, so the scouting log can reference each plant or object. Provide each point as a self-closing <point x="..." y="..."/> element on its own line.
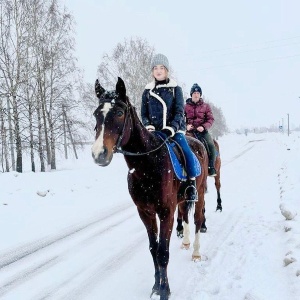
<point x="74" y="233"/>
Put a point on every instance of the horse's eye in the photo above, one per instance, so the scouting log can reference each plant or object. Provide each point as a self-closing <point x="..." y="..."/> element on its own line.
<point x="120" y="113"/>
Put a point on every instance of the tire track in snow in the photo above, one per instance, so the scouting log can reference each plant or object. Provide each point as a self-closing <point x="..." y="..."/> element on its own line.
<point x="217" y="240"/>
<point x="88" y="279"/>
<point x="231" y="258"/>
<point x="27" y="275"/>
<point x="31" y="271"/>
<point x="17" y="254"/>
<point x="216" y="250"/>
<point x="238" y="155"/>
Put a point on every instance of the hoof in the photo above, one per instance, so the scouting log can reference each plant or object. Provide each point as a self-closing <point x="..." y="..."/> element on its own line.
<point x="165" y="295"/>
<point x="219" y="207"/>
<point x="155" y="292"/>
<point x="203" y="227"/>
<point x="185" y="246"/>
<point x="196" y="258"/>
<point x="180" y="234"/>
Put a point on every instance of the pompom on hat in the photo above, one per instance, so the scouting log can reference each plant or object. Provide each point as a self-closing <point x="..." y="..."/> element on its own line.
<point x="195" y="88"/>
<point x="160" y="59"/>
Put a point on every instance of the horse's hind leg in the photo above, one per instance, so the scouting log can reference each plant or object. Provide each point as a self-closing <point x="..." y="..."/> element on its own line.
<point x="203" y="228"/>
<point x="198" y="219"/>
<point x="183" y="209"/>
<point x="151" y="227"/>
<point x="179" y="227"/>
<point x="218" y="184"/>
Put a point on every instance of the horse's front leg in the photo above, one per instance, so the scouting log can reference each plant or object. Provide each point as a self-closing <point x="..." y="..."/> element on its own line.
<point x="166" y="225"/>
<point x="151" y="227"/>
<point x="179" y="227"/>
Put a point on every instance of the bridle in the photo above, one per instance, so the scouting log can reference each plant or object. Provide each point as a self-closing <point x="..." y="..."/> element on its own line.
<point x="117" y="148"/>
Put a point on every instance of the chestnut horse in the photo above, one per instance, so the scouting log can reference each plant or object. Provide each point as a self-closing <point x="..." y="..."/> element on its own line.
<point x="152" y="183"/>
<point x="182" y="214"/>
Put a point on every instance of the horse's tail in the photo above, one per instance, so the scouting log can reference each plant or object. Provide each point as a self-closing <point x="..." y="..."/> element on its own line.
<point x="189" y="205"/>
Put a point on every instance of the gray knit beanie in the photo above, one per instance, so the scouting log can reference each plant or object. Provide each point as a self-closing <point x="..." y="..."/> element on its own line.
<point x="160" y="59"/>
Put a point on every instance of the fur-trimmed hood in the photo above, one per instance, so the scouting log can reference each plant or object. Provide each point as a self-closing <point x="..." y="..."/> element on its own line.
<point x="151" y="85"/>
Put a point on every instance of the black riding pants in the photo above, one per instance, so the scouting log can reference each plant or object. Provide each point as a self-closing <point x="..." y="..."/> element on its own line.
<point x="210" y="143"/>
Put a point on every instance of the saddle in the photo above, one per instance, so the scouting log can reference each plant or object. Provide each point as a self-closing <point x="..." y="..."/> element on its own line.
<point x="203" y="141"/>
<point x="177" y="158"/>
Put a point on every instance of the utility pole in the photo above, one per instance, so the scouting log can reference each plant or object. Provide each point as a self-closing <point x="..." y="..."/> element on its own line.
<point x="288" y="115"/>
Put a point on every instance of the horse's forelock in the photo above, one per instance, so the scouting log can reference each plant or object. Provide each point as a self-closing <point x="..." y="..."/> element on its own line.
<point x="112" y="97"/>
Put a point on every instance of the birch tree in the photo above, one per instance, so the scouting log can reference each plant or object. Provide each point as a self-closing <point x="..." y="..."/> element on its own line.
<point x="13" y="55"/>
<point x="130" y="60"/>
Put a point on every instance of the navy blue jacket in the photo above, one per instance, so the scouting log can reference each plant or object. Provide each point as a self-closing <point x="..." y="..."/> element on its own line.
<point x="163" y="107"/>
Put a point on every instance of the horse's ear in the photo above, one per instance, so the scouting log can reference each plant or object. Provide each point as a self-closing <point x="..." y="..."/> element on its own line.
<point x="99" y="90"/>
<point x="120" y="88"/>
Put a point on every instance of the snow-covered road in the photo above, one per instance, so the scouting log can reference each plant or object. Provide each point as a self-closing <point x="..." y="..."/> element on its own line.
<point x="84" y="239"/>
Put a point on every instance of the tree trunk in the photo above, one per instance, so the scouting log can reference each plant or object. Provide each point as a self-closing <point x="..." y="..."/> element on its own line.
<point x="48" y="151"/>
<point x="5" y="150"/>
<point x="53" y="157"/>
<point x="40" y="133"/>
<point x="71" y="137"/>
<point x="11" y="139"/>
<point x="19" y="165"/>
<point x="65" y="134"/>
<point x="4" y="141"/>
<point x="31" y="138"/>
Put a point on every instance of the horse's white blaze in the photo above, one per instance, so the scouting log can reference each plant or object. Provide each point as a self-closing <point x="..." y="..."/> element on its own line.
<point x="98" y="146"/>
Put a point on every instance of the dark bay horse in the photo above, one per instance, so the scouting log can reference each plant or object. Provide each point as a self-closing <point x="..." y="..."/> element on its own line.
<point x="152" y="183"/>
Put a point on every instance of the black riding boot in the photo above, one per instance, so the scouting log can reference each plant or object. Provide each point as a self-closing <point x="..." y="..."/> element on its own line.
<point x="211" y="169"/>
<point x="191" y="193"/>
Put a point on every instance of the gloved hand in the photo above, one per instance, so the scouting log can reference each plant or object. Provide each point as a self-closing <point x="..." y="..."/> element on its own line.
<point x="167" y="132"/>
<point x="189" y="127"/>
<point x="200" y="128"/>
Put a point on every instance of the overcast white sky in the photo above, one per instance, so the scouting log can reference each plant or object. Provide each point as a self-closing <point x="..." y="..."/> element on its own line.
<point x="244" y="54"/>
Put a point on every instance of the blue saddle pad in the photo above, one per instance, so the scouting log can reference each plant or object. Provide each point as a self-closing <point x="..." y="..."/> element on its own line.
<point x="177" y="165"/>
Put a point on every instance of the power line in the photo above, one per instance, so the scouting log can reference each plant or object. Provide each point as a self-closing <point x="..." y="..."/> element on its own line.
<point x="249" y="45"/>
<point x="250" y="50"/>
<point x="250" y="62"/>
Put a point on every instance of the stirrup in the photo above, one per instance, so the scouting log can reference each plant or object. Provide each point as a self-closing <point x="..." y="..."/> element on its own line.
<point x="187" y="195"/>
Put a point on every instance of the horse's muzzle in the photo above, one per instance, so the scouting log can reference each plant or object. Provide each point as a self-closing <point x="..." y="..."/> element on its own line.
<point x="103" y="158"/>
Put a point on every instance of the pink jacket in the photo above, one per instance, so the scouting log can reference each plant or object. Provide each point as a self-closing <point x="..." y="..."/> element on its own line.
<point x="198" y="114"/>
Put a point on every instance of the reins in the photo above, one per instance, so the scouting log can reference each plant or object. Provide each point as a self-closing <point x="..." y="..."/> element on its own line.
<point x="118" y="149"/>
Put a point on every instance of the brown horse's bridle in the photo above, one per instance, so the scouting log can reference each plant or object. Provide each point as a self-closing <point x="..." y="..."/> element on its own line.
<point x="117" y="148"/>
